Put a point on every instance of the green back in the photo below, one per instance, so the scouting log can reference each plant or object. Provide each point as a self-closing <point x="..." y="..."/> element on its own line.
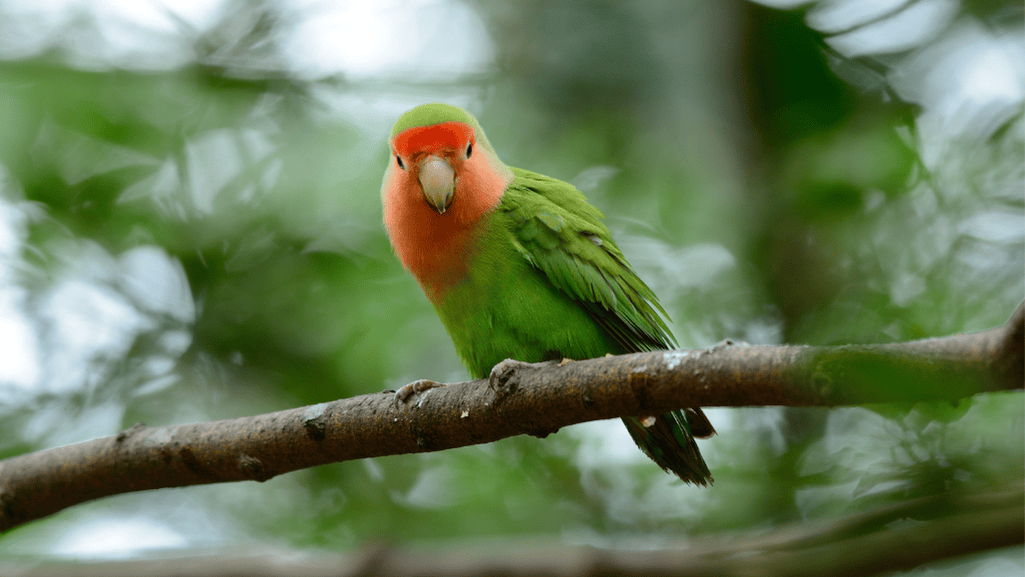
<point x="560" y="233"/>
<point x="548" y="282"/>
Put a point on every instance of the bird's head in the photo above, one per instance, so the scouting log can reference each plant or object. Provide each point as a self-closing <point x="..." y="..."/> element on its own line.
<point x="433" y="156"/>
<point x="441" y="159"/>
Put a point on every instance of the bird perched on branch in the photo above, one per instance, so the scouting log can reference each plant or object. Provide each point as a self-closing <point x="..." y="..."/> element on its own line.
<point x="518" y="265"/>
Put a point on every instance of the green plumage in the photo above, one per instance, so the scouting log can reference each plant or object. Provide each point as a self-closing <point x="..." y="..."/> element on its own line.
<point x="546" y="281"/>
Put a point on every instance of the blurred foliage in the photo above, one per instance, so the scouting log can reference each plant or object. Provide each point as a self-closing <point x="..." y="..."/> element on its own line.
<point x="204" y="241"/>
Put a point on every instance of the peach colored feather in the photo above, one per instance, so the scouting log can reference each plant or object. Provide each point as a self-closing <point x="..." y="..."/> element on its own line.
<point x="434" y="246"/>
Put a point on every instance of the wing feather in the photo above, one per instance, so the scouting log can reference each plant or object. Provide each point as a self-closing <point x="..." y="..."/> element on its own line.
<point x="560" y="233"/>
<point x="557" y="231"/>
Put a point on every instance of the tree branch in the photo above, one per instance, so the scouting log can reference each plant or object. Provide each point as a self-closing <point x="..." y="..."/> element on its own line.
<point x="864" y="544"/>
<point x="534" y="399"/>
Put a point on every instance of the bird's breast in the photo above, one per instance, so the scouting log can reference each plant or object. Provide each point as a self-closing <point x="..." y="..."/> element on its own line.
<point x="441" y="255"/>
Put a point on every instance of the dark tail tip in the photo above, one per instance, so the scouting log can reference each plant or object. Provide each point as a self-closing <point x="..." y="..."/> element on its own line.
<point x="668" y="440"/>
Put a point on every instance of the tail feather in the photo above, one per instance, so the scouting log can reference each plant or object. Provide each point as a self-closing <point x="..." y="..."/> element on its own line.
<point x="669" y="441"/>
<point x="700" y="426"/>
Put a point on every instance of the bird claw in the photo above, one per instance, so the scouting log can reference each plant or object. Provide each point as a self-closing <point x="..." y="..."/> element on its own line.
<point x="417" y="386"/>
<point x="503" y="372"/>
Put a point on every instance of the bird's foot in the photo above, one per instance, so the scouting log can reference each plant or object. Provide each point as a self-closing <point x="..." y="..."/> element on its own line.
<point x="503" y="372"/>
<point x="418" y="386"/>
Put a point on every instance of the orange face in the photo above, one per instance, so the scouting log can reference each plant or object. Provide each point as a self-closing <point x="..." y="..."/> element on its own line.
<point x="435" y="157"/>
<point x="440" y="185"/>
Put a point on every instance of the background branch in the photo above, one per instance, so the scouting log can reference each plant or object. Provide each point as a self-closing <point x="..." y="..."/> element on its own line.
<point x="967" y="524"/>
<point x="533" y="399"/>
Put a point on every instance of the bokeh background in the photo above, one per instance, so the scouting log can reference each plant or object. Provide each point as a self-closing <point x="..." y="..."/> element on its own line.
<point x="190" y="229"/>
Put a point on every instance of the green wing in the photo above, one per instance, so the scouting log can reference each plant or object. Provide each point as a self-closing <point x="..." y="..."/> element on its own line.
<point x="560" y="233"/>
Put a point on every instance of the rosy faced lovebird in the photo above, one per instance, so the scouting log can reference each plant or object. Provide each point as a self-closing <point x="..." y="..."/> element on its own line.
<point x="519" y="265"/>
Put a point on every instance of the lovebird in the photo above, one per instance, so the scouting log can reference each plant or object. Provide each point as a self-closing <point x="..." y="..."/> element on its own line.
<point x="519" y="265"/>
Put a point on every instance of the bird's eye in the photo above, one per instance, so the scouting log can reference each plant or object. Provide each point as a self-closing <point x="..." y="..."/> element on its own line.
<point x="399" y="160"/>
<point x="469" y="149"/>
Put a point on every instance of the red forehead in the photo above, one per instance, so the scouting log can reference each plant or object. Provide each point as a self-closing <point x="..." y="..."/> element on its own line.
<point x="452" y="134"/>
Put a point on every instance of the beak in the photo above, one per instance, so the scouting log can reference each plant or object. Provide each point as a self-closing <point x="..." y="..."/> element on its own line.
<point x="438" y="182"/>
